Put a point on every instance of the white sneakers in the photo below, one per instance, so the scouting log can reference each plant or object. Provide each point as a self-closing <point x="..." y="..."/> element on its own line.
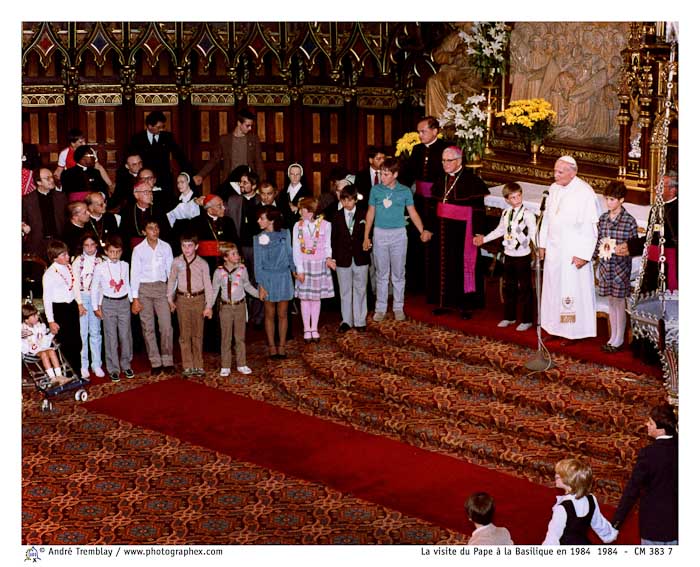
<point x="521" y="327"/>
<point x="98" y="372"/>
<point x="241" y="369"/>
<point x="378" y="316"/>
<point x="399" y="315"/>
<point x="84" y="373"/>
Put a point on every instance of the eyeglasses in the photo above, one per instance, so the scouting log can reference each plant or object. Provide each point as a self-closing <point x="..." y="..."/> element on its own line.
<point x="450" y="159"/>
<point x="147" y="177"/>
<point x="144" y="191"/>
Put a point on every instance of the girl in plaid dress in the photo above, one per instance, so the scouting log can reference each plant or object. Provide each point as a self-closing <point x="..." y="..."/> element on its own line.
<point x="614" y="272"/>
<point x="313" y="259"/>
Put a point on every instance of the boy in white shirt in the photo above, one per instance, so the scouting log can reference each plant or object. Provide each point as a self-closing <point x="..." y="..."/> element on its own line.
<point x="518" y="228"/>
<point x="111" y="300"/>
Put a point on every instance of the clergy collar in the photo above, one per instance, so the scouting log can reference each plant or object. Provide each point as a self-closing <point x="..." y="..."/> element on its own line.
<point x="431" y="143"/>
<point x="97" y="219"/>
<point x="455" y="173"/>
<point x="671" y="200"/>
<point x="81" y="166"/>
<point x="140" y="208"/>
<point x="212" y="218"/>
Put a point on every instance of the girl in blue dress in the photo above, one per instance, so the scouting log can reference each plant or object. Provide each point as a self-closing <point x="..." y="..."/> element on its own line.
<point x="274" y="265"/>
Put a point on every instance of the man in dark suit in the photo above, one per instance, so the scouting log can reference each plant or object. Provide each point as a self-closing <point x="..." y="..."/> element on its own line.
<point x="371" y="175"/>
<point x="240" y="147"/>
<point x="155" y="145"/>
<point x="44" y="212"/>
<point x="654" y="482"/>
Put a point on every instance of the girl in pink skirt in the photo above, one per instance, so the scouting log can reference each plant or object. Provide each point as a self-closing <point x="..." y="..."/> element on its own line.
<point x="313" y="259"/>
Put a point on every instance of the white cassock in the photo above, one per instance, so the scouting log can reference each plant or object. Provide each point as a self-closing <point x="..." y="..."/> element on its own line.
<point x="569" y="228"/>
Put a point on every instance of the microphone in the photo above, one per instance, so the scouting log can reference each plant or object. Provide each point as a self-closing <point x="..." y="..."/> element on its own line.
<point x="544" y="200"/>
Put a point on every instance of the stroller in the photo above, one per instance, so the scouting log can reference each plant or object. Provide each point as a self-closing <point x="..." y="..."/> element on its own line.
<point x="42" y="381"/>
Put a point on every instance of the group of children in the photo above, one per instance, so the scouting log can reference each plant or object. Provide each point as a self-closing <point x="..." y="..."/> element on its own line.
<point x="78" y="298"/>
<point x="293" y="264"/>
<point x="573" y="514"/>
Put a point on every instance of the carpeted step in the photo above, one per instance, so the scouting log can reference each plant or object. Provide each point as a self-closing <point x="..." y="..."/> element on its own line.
<point x="520" y="454"/>
<point x="637" y="389"/>
<point x="595" y="408"/>
<point x="486" y="404"/>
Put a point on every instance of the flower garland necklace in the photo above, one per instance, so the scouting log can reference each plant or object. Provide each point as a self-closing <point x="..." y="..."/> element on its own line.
<point x="72" y="277"/>
<point x="113" y="284"/>
<point x="91" y="274"/>
<point x="315" y="233"/>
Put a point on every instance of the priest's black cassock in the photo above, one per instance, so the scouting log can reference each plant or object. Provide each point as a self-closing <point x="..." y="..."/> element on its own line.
<point x="463" y="189"/>
<point x="424" y="167"/>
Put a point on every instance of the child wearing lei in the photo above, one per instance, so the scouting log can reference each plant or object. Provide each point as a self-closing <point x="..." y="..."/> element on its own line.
<point x="313" y="259"/>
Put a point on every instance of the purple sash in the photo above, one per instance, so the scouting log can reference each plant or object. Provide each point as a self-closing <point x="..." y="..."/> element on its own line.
<point x="462" y="213"/>
<point x="423" y="188"/>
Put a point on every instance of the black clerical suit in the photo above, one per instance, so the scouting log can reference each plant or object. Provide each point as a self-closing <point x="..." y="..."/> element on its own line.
<point x="45" y="215"/>
<point x="79" y="179"/>
<point x="467" y="189"/>
<point x="425" y="165"/>
<point x="101" y="228"/>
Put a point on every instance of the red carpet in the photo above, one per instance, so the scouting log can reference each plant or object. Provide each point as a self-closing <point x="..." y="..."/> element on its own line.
<point x="414" y="481"/>
<point x="485" y="321"/>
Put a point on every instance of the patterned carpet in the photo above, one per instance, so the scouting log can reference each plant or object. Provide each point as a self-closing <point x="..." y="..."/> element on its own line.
<point x="91" y="479"/>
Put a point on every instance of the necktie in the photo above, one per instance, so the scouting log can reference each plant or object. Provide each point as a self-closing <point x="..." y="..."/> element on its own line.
<point x="228" y="283"/>
<point x="155" y="139"/>
<point x="376" y="178"/>
<point x="189" y="274"/>
<point x="349" y="217"/>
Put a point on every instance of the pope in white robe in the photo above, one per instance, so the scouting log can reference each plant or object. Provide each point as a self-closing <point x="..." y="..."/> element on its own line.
<point x="568" y="236"/>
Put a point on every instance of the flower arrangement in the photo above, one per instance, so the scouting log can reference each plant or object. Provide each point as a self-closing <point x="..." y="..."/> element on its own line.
<point x="486" y="46"/>
<point x="404" y="145"/>
<point x="532" y="119"/>
<point x="469" y="123"/>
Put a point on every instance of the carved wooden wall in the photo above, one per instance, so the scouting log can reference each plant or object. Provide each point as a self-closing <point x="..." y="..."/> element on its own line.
<point x="322" y="91"/>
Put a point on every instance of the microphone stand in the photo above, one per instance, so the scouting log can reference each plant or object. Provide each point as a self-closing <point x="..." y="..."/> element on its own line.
<point x="540" y="362"/>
